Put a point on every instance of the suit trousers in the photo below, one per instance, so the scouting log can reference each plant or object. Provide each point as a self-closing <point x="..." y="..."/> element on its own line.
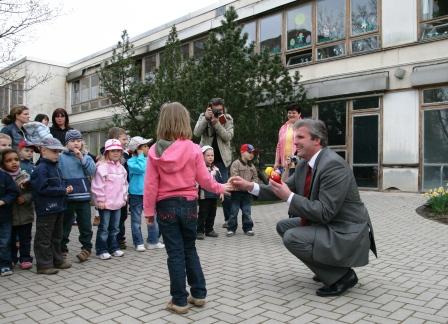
<point x="299" y="240"/>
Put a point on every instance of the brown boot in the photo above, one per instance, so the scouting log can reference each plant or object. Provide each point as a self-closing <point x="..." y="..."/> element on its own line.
<point x="63" y="265"/>
<point x="47" y="271"/>
<point x="83" y="255"/>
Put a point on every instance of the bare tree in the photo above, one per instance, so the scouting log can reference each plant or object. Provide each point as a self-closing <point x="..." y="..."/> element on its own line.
<point x="17" y="20"/>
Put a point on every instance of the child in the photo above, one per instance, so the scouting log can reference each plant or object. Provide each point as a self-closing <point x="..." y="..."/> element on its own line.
<point x="110" y="191"/>
<point x="244" y="168"/>
<point x="49" y="195"/>
<point x="76" y="166"/>
<point x="139" y="147"/>
<point x="26" y="151"/>
<point x="23" y="210"/>
<point x="5" y="141"/>
<point x="175" y="166"/>
<point x="208" y="200"/>
<point x="120" y="134"/>
<point x="8" y="194"/>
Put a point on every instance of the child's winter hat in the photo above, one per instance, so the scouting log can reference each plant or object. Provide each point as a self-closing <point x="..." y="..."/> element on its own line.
<point x="72" y="134"/>
<point x="205" y="148"/>
<point x="247" y="148"/>
<point x="136" y="141"/>
<point x="112" y="144"/>
<point x="24" y="143"/>
<point x="52" y="144"/>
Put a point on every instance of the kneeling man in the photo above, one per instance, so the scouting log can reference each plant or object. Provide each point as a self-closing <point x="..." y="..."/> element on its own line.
<point x="331" y="231"/>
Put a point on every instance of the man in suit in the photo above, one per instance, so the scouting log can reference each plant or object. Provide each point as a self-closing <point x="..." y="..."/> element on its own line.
<point x="331" y="231"/>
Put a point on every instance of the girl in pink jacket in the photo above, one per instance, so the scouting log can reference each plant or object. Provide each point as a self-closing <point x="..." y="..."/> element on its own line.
<point x="175" y="165"/>
<point x="110" y="193"/>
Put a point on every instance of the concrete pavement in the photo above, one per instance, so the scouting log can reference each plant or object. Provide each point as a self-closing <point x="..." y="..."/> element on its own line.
<point x="250" y="279"/>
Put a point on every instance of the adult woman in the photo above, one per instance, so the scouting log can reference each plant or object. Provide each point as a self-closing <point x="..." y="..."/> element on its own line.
<point x="60" y="126"/>
<point x="285" y="145"/>
<point x="18" y="116"/>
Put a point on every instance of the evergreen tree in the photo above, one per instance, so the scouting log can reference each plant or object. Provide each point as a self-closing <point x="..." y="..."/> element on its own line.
<point x="121" y="81"/>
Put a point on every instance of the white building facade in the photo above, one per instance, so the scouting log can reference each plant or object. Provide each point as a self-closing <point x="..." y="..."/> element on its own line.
<point x="378" y="70"/>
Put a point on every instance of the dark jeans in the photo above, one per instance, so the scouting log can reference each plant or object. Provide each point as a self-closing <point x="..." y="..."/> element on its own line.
<point x="5" y="239"/>
<point x="23" y="232"/>
<point x="84" y="221"/>
<point x="226" y="204"/>
<point x="47" y="240"/>
<point x="121" y="227"/>
<point x="106" y="235"/>
<point x="240" y="199"/>
<point x="177" y="218"/>
<point x="207" y="213"/>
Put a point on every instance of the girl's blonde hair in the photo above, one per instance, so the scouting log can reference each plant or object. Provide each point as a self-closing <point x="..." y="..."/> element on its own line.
<point x="174" y="122"/>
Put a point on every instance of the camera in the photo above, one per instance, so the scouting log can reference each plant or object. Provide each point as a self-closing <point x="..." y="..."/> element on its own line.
<point x="216" y="113"/>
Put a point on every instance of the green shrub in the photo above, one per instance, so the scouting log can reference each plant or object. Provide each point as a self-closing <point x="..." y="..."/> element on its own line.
<point x="438" y="200"/>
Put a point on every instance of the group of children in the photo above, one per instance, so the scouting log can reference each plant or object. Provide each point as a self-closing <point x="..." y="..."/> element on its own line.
<point x="59" y="189"/>
<point x="166" y="181"/>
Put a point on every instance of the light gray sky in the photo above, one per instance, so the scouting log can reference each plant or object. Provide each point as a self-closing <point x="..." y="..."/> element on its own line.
<point x="88" y="26"/>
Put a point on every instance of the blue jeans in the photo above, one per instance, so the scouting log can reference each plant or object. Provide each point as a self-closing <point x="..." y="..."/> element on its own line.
<point x="241" y="200"/>
<point x="226" y="204"/>
<point x="153" y="232"/>
<point x="177" y="218"/>
<point x="106" y="235"/>
<point x="5" y="248"/>
<point x="136" y="208"/>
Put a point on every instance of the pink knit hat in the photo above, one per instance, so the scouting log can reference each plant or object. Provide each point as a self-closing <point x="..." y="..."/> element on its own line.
<point x="112" y="144"/>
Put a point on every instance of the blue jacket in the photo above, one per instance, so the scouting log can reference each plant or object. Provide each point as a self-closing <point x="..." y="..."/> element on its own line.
<point x="15" y="133"/>
<point x="76" y="173"/>
<point x="137" y="169"/>
<point x="27" y="165"/>
<point x="8" y="193"/>
<point x="49" y="189"/>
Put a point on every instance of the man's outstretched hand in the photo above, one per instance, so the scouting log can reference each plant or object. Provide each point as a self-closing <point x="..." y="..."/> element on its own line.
<point x="240" y="184"/>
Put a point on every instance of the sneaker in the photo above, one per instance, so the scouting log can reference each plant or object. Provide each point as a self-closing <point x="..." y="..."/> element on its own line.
<point x="224" y="225"/>
<point x="5" y="272"/>
<point x="26" y="265"/>
<point x="63" y="265"/>
<point x="212" y="234"/>
<point x="156" y="246"/>
<point x="230" y="233"/>
<point x="122" y="245"/>
<point x="198" y="302"/>
<point x="47" y="271"/>
<point x="96" y="221"/>
<point x="104" y="256"/>
<point x="140" y="248"/>
<point x="83" y="255"/>
<point x="249" y="233"/>
<point x="118" y="253"/>
<point x="200" y="236"/>
<point x="177" y="309"/>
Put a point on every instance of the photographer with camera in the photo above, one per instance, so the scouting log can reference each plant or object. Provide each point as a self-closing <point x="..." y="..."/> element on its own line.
<point x="215" y="128"/>
<point x="285" y="153"/>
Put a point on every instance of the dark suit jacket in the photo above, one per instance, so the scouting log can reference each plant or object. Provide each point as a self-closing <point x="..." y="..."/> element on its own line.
<point x="344" y="233"/>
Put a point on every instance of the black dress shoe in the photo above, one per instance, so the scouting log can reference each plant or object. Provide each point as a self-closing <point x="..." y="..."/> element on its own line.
<point x="316" y="278"/>
<point x="339" y="287"/>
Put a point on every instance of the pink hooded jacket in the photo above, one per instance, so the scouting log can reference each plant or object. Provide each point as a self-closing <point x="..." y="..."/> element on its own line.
<point x="175" y="173"/>
<point x="110" y="185"/>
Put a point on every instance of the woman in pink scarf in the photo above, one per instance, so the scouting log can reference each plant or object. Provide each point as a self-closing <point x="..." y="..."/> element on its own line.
<point x="285" y="145"/>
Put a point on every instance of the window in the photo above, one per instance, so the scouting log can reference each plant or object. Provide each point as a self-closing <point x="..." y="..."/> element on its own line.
<point x="251" y="30"/>
<point x="363" y="16"/>
<point x="150" y="67"/>
<point x="435" y="137"/>
<point x="87" y="92"/>
<point x="433" y="19"/>
<point x="198" y="48"/>
<point x="271" y="33"/>
<point x="185" y="51"/>
<point x="330" y="20"/>
<point x="299" y="30"/>
<point x="334" y="115"/>
<point x="10" y="95"/>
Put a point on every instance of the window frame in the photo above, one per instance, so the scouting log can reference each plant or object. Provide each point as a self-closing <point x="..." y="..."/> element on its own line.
<point x="421" y="21"/>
